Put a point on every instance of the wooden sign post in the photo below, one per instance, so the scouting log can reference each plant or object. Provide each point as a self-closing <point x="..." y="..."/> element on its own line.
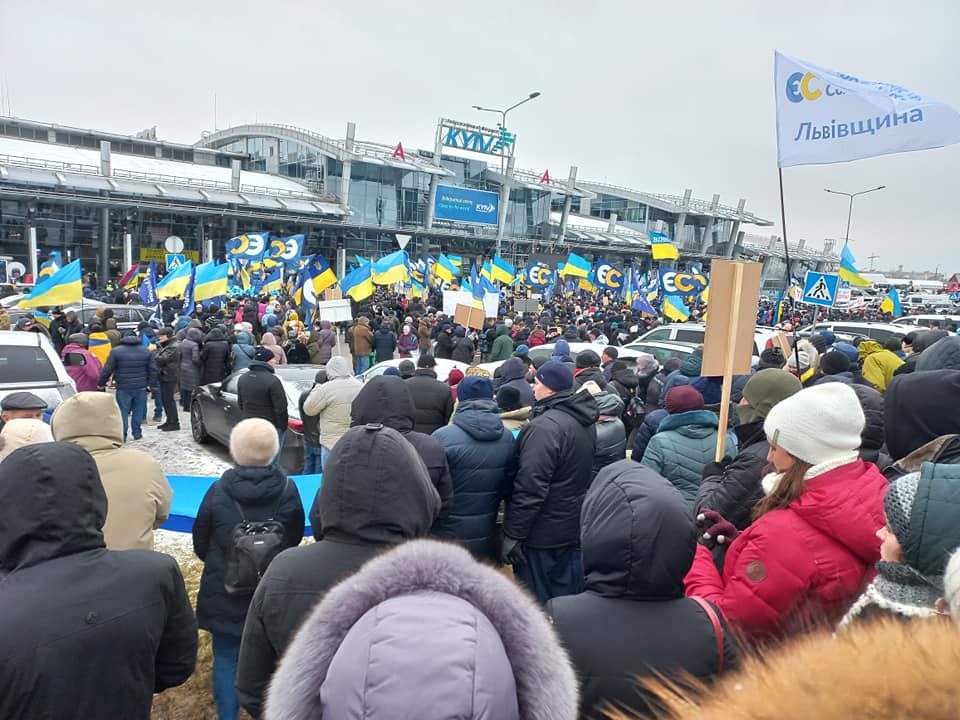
<point x="731" y="322"/>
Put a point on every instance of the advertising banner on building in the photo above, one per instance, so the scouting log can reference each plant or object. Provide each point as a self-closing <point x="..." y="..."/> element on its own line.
<point x="467" y="206"/>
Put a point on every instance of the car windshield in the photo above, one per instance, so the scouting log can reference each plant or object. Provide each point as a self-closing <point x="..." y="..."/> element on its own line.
<point x="296" y="380"/>
<point x="20" y="364"/>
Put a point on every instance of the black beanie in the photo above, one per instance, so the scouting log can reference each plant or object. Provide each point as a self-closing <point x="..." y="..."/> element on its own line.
<point x="772" y="358"/>
<point x="834" y="362"/>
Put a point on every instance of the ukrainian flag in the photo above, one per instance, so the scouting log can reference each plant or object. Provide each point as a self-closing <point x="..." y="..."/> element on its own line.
<point x="42" y="318"/>
<point x="586" y="284"/>
<point x="175" y="282"/>
<point x="272" y="283"/>
<point x="576" y="266"/>
<point x="848" y="269"/>
<point x="390" y="269"/>
<point x="891" y="303"/>
<point x="63" y="287"/>
<point x="674" y="309"/>
<point x="358" y="284"/>
<point x="661" y="248"/>
<point x="486" y="271"/>
<point x="322" y="274"/>
<point x="476" y="288"/>
<point x="502" y="270"/>
<point x="457" y="263"/>
<point x="444" y="269"/>
<point x="99" y="345"/>
<point x="211" y="281"/>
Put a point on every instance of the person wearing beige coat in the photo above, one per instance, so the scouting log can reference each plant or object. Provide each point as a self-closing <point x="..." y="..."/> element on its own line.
<point x="331" y="402"/>
<point x="138" y="494"/>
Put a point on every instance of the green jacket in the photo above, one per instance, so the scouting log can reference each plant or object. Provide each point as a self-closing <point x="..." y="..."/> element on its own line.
<point x="683" y="446"/>
<point x="502" y="347"/>
<point x="934" y="530"/>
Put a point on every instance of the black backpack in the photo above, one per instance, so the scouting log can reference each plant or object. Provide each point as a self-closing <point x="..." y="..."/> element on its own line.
<point x="253" y="545"/>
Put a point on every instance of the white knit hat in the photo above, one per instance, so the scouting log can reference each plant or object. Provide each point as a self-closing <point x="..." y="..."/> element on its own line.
<point x="253" y="442"/>
<point x="817" y="425"/>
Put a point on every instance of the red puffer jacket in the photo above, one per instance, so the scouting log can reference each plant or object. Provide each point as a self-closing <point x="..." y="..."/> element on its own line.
<point x="802" y="564"/>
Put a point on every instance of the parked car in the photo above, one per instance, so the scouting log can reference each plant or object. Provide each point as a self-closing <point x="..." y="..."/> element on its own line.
<point x="128" y="317"/>
<point x="29" y="362"/>
<point x="662" y="350"/>
<point x="442" y="369"/>
<point x="881" y="332"/>
<point x="696" y="332"/>
<point x="545" y="351"/>
<point x="215" y="409"/>
<point x="913" y="321"/>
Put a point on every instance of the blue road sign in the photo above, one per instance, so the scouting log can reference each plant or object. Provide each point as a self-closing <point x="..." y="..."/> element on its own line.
<point x="820" y="288"/>
<point x="173" y="260"/>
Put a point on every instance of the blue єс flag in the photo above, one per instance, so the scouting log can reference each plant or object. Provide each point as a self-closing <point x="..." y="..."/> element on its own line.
<point x="148" y="288"/>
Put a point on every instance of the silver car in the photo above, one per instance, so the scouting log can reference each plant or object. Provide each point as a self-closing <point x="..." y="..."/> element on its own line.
<point x="28" y="362"/>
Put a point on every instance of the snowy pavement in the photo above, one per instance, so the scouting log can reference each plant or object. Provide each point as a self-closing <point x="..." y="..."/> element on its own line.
<point x="177" y="452"/>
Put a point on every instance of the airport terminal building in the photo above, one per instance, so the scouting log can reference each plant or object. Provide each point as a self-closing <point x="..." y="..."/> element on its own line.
<point x="109" y="199"/>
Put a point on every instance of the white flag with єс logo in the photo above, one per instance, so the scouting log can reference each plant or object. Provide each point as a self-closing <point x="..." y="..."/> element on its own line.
<point x="825" y="116"/>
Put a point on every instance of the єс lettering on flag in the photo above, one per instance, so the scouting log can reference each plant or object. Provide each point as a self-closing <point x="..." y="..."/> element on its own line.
<point x="824" y="116"/>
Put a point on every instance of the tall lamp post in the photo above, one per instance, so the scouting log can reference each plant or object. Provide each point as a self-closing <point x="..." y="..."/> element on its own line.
<point x="846" y="237"/>
<point x="503" y="119"/>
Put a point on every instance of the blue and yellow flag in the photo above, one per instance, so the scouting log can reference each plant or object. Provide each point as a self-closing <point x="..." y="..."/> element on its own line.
<point x="848" y="269"/>
<point x="891" y="303"/>
<point x="674" y="309"/>
<point x="444" y="269"/>
<point x="175" y="282"/>
<point x="273" y="283"/>
<point x="358" y="284"/>
<point x="321" y="274"/>
<point x="51" y="266"/>
<point x="661" y="248"/>
<point x="476" y="288"/>
<point x="390" y="269"/>
<point x="62" y="288"/>
<point x="502" y="271"/>
<point x="211" y="281"/>
<point x="576" y="266"/>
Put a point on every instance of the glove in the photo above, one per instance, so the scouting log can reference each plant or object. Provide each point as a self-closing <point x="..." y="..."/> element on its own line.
<point x="714" y="529"/>
<point x="717" y="468"/>
<point x="512" y="552"/>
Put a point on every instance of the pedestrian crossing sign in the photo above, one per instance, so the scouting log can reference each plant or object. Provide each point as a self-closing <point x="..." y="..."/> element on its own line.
<point x="820" y="288"/>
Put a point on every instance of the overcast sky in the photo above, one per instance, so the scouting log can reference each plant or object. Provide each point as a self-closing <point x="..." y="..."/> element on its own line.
<point x="658" y="96"/>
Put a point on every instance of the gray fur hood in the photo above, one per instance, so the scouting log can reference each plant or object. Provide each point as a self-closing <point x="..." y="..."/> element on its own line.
<point x="470" y="637"/>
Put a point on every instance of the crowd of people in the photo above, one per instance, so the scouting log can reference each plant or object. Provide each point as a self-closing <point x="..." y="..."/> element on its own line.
<point x="550" y="539"/>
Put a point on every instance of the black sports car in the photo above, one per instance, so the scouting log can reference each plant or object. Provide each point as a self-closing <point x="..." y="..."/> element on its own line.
<point x="215" y="410"/>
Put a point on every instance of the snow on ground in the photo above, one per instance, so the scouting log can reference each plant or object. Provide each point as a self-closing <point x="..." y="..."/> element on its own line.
<point x="177" y="452"/>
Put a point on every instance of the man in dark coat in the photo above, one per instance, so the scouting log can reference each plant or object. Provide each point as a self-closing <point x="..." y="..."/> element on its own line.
<point x="588" y="368"/>
<point x="261" y="491"/>
<point x="632" y="621"/>
<point x="513" y="373"/>
<point x="918" y="409"/>
<point x="554" y="463"/>
<point x="87" y="632"/>
<point x="463" y="348"/>
<point x="387" y="400"/>
<point x="384" y="342"/>
<point x="167" y="358"/>
<point x="260" y="393"/>
<point x="363" y="507"/>
<point x="479" y="451"/>
<point x="433" y="399"/>
<point x="190" y="365"/>
<point x="134" y="370"/>
<point x="214" y="357"/>
<point x="445" y="342"/>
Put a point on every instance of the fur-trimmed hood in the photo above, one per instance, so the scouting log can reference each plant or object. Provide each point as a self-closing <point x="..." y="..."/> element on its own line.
<point x="367" y="643"/>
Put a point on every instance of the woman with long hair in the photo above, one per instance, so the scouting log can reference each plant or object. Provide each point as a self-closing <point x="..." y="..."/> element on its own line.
<point x="813" y="541"/>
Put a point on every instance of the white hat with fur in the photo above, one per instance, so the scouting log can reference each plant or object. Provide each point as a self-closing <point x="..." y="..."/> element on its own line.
<point x="254" y="443"/>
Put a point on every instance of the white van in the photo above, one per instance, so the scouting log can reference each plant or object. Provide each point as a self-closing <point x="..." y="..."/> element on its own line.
<point x="928" y="300"/>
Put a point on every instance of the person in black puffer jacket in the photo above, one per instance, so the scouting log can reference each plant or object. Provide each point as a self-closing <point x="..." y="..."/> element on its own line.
<point x="732" y="487"/>
<point x="479" y="452"/>
<point x="432" y="398"/>
<point x="87" y="632"/>
<point x="444" y="343"/>
<point x="384" y="342"/>
<point x="555" y="459"/>
<point x="215" y="357"/>
<point x="611" y="433"/>
<point x="463" y="348"/>
<point x="626" y="382"/>
<point x="872" y="438"/>
<point x="632" y="621"/>
<point x="134" y="369"/>
<point x="263" y="492"/>
<point x="588" y="368"/>
<point x="387" y="400"/>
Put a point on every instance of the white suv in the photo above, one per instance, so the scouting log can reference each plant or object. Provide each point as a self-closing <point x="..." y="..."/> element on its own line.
<point x="28" y="362"/>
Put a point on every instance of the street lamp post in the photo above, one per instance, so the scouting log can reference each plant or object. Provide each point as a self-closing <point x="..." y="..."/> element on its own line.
<point x="503" y="120"/>
<point x="846" y="237"/>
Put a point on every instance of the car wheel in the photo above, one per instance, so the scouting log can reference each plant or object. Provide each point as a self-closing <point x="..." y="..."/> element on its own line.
<point x="197" y="428"/>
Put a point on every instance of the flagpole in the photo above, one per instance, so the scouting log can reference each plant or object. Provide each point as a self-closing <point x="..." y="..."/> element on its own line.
<point x="786" y="253"/>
